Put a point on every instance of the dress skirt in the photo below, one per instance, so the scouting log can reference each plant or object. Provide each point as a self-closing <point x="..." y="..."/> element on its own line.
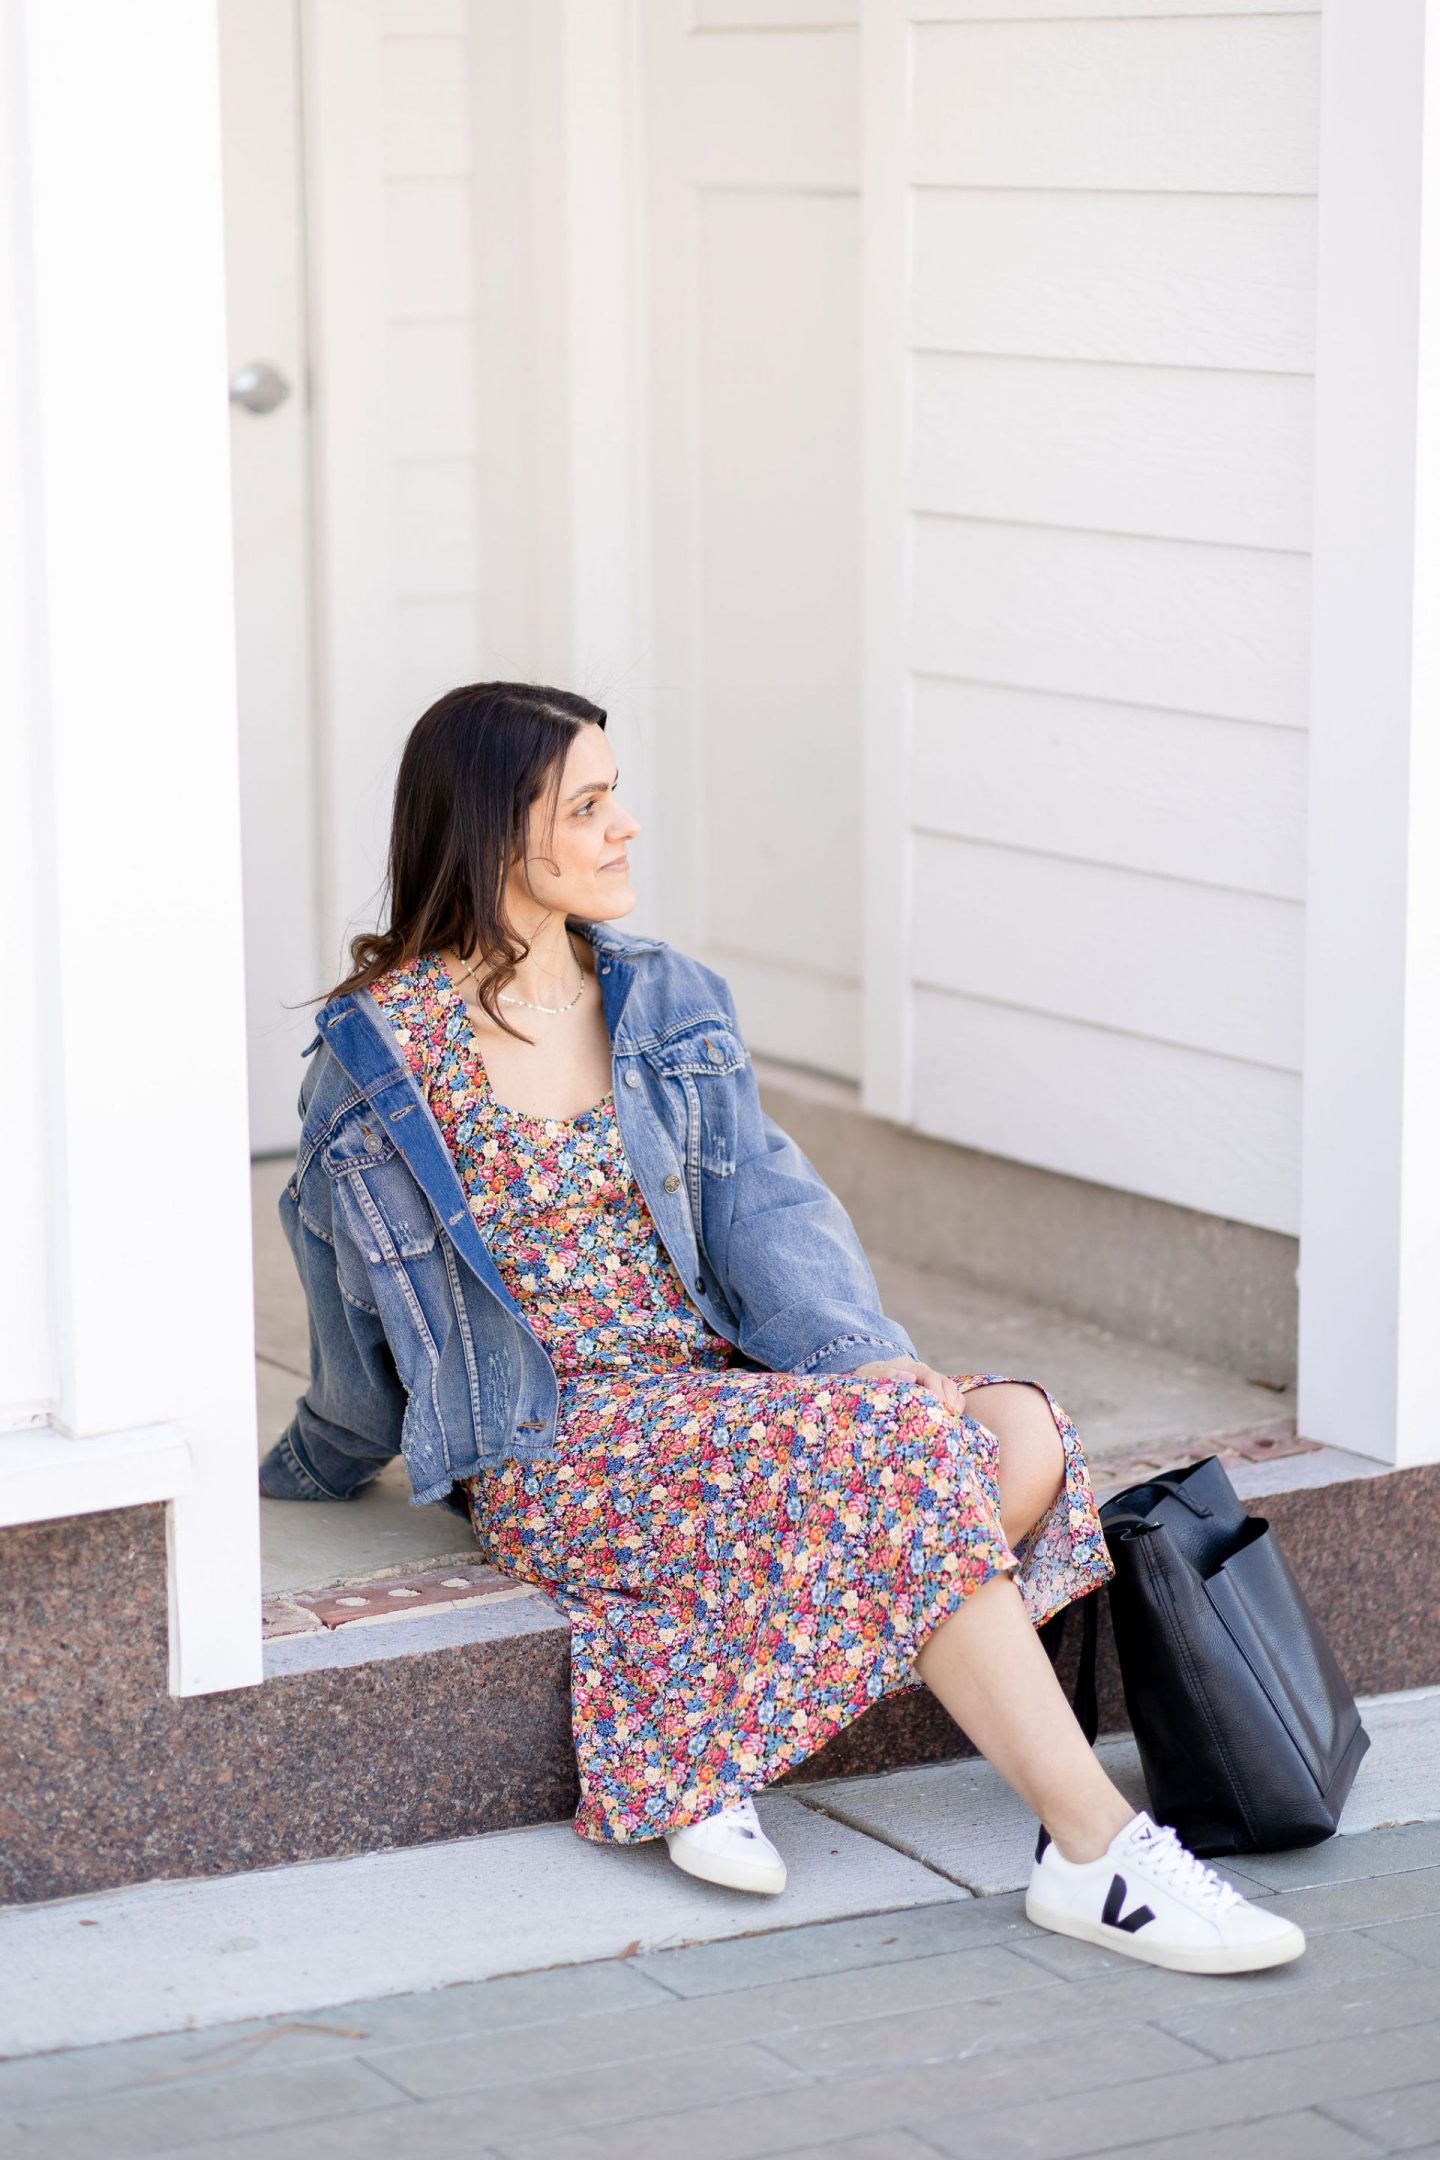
<point x="748" y="1559"/>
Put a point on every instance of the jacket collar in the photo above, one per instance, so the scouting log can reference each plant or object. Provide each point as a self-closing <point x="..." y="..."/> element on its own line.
<point x="610" y="938"/>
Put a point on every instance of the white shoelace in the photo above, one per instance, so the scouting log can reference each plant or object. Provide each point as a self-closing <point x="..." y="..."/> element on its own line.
<point x="1177" y="1866"/>
<point x="741" y="1817"/>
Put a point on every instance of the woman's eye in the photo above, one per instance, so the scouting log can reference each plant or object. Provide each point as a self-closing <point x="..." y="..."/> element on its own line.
<point x="585" y="809"/>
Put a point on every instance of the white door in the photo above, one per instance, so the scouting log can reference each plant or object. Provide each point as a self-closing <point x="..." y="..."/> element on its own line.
<point x="752" y="126"/>
<point x="265" y="255"/>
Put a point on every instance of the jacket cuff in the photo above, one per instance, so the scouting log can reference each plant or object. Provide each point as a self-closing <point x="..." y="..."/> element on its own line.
<point x="844" y="1352"/>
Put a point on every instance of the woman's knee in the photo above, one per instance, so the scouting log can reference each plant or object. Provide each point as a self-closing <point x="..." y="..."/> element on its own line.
<point x="1031" y="1453"/>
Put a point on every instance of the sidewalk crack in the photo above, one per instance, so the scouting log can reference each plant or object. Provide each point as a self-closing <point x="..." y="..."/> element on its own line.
<point x="892" y="1843"/>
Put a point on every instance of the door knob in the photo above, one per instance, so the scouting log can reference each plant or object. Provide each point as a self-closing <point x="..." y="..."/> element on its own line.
<point x="259" y="386"/>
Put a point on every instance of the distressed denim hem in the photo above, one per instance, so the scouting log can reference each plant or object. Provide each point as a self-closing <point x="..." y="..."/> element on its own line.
<point x="428" y="1493"/>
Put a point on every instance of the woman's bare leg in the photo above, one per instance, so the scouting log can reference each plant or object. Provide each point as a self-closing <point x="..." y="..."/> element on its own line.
<point x="988" y="1666"/>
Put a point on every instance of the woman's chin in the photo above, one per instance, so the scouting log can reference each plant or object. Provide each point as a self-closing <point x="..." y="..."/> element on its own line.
<point x="616" y="897"/>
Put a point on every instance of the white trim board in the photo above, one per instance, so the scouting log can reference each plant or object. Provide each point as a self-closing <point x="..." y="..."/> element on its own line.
<point x="46" y="1475"/>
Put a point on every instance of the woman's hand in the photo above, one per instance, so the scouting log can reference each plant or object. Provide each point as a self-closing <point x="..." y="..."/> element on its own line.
<point x="909" y="1368"/>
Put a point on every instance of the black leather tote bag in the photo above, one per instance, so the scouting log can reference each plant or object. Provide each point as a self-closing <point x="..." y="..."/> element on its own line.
<point x="1248" y="1734"/>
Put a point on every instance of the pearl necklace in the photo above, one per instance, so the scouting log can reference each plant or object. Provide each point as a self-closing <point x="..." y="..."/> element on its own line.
<point x="505" y="999"/>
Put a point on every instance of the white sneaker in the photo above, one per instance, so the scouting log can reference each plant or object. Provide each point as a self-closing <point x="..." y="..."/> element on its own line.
<point x="1150" y="1898"/>
<point x="730" y="1849"/>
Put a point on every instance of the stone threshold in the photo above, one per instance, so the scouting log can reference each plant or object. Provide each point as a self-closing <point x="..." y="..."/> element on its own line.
<point x="384" y="1597"/>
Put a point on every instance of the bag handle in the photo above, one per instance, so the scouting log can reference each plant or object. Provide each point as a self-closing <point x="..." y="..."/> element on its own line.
<point x="1179" y="1492"/>
<point x="1127" y="1519"/>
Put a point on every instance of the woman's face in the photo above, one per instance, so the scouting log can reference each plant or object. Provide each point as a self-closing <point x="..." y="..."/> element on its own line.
<point x="581" y="867"/>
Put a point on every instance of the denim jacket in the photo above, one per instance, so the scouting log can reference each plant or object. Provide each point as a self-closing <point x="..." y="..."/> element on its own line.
<point x="416" y="1345"/>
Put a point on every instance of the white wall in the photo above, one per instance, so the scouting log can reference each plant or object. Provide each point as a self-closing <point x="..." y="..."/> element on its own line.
<point x="1089" y="396"/>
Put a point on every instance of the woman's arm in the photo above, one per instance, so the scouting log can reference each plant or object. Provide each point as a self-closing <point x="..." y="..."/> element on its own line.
<point x="347" y="1424"/>
<point x="795" y="1269"/>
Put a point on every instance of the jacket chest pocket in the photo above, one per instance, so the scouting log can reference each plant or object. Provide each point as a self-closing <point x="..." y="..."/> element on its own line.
<point x="383" y="1203"/>
<point x="702" y="1060"/>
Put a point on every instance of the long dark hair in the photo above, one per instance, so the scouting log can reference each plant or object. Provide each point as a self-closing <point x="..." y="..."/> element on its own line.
<point x="470" y="770"/>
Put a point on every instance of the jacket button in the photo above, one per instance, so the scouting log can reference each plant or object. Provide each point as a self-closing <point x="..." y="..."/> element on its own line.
<point x="632" y="1078"/>
<point x="716" y="1054"/>
<point x="700" y="1284"/>
<point x="605" y="968"/>
<point x="672" y="1183"/>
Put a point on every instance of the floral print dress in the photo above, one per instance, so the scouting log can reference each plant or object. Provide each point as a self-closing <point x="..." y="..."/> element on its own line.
<point x="748" y="1559"/>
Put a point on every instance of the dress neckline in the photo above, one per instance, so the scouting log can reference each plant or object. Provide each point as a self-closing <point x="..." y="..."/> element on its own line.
<point x="469" y="1047"/>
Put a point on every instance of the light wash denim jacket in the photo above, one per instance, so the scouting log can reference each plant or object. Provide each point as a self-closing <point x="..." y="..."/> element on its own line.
<point x="416" y="1345"/>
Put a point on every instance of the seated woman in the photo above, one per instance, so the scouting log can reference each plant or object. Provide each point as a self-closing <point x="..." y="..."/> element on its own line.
<point x="576" y="1272"/>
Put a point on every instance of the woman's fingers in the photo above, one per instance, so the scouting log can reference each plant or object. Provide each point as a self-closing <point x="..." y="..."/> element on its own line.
<point x="952" y="1396"/>
<point x="908" y="1368"/>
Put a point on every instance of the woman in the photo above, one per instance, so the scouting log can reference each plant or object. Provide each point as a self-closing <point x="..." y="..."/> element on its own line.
<point x="594" y="1285"/>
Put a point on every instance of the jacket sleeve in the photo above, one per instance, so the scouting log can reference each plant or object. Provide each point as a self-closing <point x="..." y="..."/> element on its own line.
<point x="805" y="1294"/>
<point x="347" y="1424"/>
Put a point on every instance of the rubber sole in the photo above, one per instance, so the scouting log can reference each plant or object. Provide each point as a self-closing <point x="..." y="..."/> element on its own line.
<point x="1250" y="1957"/>
<point x="760" y="1879"/>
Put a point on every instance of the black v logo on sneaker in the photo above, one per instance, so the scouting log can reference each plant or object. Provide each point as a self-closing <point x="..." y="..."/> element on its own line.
<point x="1114" y="1899"/>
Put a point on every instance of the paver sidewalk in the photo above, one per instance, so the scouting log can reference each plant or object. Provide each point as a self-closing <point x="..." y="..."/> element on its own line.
<point x="894" y="2003"/>
<point x="949" y="2029"/>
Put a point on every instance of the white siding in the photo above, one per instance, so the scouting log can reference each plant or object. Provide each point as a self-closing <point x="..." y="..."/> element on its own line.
<point x="1215" y="104"/>
<point x="1168" y="280"/>
<point x="1195" y="453"/>
<point x="1150" y="621"/>
<point x="1181" y="795"/>
<point x="1208" y="1132"/>
<point x="1091" y="445"/>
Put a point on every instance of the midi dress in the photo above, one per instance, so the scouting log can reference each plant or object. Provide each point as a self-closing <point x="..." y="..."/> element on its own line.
<point x="748" y="1559"/>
